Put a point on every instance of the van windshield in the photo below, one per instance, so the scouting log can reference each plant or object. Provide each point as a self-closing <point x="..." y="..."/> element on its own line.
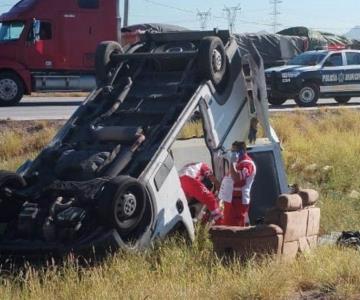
<point x="307" y="59"/>
<point x="11" y="31"/>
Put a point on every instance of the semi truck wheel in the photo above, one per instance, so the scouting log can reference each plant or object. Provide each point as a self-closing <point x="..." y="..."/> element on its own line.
<point x="103" y="66"/>
<point x="308" y="95"/>
<point x="342" y="99"/>
<point x="276" y="100"/>
<point x="122" y="204"/>
<point x="212" y="60"/>
<point x="11" y="89"/>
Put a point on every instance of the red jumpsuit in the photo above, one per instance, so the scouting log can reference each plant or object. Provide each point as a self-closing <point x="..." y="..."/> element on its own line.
<point x="191" y="177"/>
<point x="235" y="213"/>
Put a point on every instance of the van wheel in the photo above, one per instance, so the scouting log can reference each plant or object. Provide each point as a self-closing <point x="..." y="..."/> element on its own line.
<point x="308" y="95"/>
<point x="212" y="60"/>
<point x="276" y="101"/>
<point x="122" y="204"/>
<point x="342" y="99"/>
<point x="103" y="65"/>
<point x="11" y="89"/>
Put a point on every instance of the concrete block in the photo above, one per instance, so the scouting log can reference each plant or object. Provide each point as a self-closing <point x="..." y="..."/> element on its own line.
<point x="290" y="250"/>
<point x="294" y="224"/>
<point x="289" y="202"/>
<point x="309" y="197"/>
<point x="242" y="242"/>
<point x="313" y="225"/>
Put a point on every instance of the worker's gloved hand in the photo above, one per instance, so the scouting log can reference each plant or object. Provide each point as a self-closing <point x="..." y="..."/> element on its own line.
<point x="216" y="217"/>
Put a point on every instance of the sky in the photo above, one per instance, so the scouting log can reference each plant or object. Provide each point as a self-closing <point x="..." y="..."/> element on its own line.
<point x="337" y="16"/>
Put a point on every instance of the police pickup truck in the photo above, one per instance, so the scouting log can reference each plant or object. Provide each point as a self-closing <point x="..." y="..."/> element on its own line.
<point x="314" y="74"/>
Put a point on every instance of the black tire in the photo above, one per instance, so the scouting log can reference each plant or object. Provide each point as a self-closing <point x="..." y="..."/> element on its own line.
<point x="103" y="65"/>
<point x="276" y="100"/>
<point x="11" y="89"/>
<point x="342" y="99"/>
<point x="11" y="180"/>
<point x="212" y="60"/>
<point x="9" y="208"/>
<point x="308" y="95"/>
<point x="122" y="204"/>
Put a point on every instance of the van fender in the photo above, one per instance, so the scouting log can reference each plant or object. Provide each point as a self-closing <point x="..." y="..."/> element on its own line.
<point x="20" y="70"/>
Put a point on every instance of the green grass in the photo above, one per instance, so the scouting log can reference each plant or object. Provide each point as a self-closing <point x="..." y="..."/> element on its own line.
<point x="321" y="151"/>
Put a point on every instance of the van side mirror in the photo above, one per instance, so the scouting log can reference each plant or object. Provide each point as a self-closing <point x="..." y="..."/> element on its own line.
<point x="35" y="30"/>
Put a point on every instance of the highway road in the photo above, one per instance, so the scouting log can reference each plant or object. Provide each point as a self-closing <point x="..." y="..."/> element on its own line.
<point x="57" y="108"/>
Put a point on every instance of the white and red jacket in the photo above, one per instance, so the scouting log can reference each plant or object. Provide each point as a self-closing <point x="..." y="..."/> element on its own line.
<point x="197" y="171"/>
<point x="245" y="169"/>
<point x="191" y="177"/>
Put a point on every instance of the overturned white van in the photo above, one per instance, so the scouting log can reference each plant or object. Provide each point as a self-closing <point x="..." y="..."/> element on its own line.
<point x="108" y="179"/>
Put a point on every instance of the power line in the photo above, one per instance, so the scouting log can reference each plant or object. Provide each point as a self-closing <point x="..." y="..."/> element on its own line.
<point x="275" y="13"/>
<point x="231" y="10"/>
<point x="204" y="17"/>
<point x="231" y="15"/>
<point x="171" y="7"/>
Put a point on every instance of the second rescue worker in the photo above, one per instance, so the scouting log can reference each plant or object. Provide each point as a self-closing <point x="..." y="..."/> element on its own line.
<point x="243" y="172"/>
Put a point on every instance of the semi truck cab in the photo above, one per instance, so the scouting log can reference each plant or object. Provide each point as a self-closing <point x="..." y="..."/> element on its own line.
<point x="49" y="45"/>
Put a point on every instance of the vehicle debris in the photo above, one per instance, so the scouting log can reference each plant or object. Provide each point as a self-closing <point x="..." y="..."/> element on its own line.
<point x="349" y="239"/>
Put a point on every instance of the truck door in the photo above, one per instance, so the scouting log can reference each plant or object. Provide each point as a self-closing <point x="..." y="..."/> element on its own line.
<point x="332" y="74"/>
<point x="39" y="54"/>
<point x="78" y="41"/>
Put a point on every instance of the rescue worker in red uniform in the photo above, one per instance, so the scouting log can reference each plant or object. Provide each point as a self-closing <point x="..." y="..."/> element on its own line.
<point x="243" y="173"/>
<point x="191" y="178"/>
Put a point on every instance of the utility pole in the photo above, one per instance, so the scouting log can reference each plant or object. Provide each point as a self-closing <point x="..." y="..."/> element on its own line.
<point x="126" y="13"/>
<point x="204" y="17"/>
<point x="275" y="13"/>
<point x="231" y="15"/>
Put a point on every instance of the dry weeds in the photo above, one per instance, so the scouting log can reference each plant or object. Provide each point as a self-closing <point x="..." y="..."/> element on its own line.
<point x="321" y="151"/>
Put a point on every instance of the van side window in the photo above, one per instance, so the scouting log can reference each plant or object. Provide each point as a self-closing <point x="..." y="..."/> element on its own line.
<point x="45" y="31"/>
<point x="335" y="60"/>
<point x="353" y="58"/>
<point x="89" y="4"/>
